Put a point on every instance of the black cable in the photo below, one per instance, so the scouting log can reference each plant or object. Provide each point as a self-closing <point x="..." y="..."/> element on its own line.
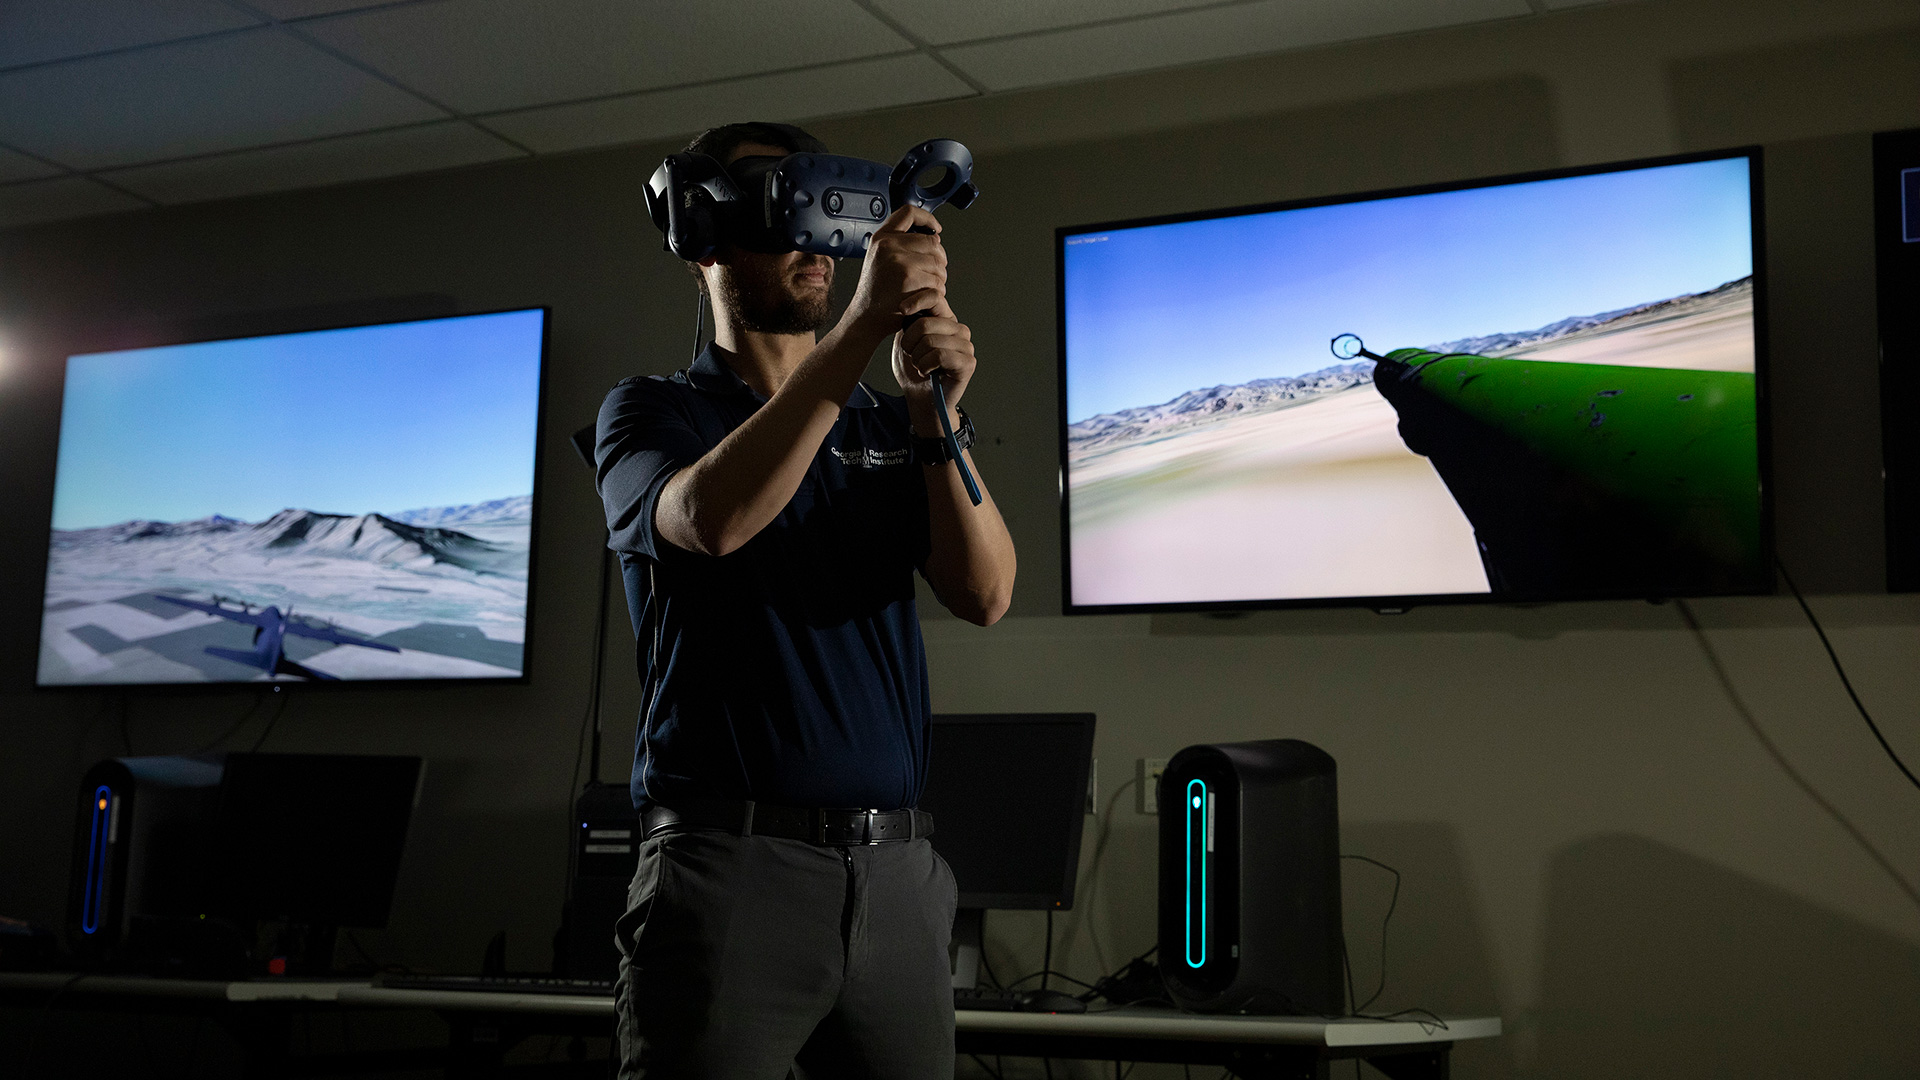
<point x="1346" y="965"/>
<point x="33" y="1036"/>
<point x="988" y="1069"/>
<point x="1042" y="976"/>
<point x="1766" y="743"/>
<point x="258" y="700"/>
<point x="1046" y="955"/>
<point x="590" y="719"/>
<point x="275" y="719"/>
<point x="598" y="680"/>
<point x="699" y="319"/>
<point x="1093" y="868"/>
<point x="1842" y="672"/>
<point x="1392" y="902"/>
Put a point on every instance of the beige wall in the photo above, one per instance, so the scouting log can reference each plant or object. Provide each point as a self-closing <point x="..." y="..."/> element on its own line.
<point x="1598" y="843"/>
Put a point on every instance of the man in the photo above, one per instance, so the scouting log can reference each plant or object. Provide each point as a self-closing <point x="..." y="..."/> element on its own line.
<point x="770" y="510"/>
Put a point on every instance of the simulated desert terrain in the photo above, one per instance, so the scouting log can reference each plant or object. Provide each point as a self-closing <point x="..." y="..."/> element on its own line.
<point x="1301" y="488"/>
<point x="1320" y="499"/>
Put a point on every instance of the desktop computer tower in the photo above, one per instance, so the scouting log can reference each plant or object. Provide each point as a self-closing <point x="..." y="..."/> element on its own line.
<point x="606" y="851"/>
<point x="141" y="854"/>
<point x="1250" y="879"/>
<point x="221" y="864"/>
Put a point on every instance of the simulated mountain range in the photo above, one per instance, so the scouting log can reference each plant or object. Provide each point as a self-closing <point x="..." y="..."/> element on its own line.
<point x="1206" y="405"/>
<point x="1196" y="407"/>
<point x="1692" y="305"/>
<point x="441" y="589"/>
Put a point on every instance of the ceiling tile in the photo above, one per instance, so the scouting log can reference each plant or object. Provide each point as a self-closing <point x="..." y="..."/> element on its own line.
<point x="36" y="31"/>
<point x="197" y="97"/>
<point x="52" y="200"/>
<point x="488" y="55"/>
<point x="328" y="161"/>
<point x="841" y="89"/>
<point x="1213" y="34"/>
<point x="943" y="22"/>
<point x="21" y="167"/>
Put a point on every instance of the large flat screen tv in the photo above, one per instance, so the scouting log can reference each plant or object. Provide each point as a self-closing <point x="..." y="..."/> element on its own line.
<point x="330" y="506"/>
<point x="1528" y="388"/>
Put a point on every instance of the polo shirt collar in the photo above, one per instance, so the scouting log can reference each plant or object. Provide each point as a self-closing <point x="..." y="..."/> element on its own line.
<point x="708" y="372"/>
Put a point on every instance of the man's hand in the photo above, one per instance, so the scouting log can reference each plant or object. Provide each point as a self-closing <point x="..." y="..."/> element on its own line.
<point x="938" y="346"/>
<point x="904" y="272"/>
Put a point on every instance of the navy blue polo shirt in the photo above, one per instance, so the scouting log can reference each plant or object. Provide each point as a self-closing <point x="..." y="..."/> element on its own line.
<point x="790" y="671"/>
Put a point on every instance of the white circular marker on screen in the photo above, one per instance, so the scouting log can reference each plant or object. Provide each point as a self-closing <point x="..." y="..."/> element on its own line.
<point x="1196" y="801"/>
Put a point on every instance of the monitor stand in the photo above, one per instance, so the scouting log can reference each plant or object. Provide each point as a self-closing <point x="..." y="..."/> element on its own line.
<point x="968" y="939"/>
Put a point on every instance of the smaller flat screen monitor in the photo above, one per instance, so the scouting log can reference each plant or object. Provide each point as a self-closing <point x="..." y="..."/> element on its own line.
<point x="313" y="838"/>
<point x="1008" y="794"/>
<point x="331" y="506"/>
<point x="1546" y="387"/>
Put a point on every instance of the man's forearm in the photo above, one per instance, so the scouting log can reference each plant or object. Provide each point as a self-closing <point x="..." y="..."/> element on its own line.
<point x="723" y="500"/>
<point x="971" y="561"/>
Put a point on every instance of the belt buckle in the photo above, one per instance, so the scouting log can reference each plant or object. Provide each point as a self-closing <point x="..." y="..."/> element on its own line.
<point x="820" y="827"/>
<point x="866" y="819"/>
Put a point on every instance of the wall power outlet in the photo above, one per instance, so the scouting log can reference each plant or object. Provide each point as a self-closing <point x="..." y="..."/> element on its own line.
<point x="1146" y="790"/>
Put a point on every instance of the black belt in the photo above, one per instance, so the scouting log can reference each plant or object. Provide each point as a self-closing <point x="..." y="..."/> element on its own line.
<point x="748" y="818"/>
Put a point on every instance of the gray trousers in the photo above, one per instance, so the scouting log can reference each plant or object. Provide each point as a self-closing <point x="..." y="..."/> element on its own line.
<point x="742" y="957"/>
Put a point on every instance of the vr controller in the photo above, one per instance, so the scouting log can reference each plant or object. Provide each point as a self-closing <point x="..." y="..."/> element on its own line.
<point x="823" y="204"/>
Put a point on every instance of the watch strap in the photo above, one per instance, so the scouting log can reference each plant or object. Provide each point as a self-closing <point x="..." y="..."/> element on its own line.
<point x="933" y="451"/>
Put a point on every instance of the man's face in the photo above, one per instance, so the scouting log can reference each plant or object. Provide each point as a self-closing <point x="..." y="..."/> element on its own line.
<point x="789" y="293"/>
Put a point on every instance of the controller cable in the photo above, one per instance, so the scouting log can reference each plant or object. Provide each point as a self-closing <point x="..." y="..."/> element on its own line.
<point x="699" y="320"/>
<point x="940" y="406"/>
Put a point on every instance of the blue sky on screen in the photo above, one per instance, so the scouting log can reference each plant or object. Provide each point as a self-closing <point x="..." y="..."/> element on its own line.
<point x="1156" y="311"/>
<point x="382" y="418"/>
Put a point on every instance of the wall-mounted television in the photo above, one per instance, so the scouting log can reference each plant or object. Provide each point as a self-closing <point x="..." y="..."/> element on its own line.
<point x="330" y="506"/>
<point x="1538" y="387"/>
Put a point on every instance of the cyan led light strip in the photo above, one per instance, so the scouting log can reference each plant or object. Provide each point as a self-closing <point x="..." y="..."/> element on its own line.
<point x="91" y="899"/>
<point x="1196" y="811"/>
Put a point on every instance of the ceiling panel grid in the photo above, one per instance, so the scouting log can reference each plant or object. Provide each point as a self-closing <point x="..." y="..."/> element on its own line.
<point x="114" y="104"/>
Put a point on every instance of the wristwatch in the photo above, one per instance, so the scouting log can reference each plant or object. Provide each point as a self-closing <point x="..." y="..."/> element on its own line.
<point x="934" y="451"/>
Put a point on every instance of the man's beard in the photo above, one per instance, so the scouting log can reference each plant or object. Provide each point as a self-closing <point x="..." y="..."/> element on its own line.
<point x="761" y="301"/>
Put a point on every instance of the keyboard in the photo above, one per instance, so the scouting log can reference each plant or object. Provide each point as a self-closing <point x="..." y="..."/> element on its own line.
<point x="988" y="999"/>
<point x="502" y="984"/>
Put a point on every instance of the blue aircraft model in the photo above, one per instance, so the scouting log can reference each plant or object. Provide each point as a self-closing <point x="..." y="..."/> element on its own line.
<point x="270" y="628"/>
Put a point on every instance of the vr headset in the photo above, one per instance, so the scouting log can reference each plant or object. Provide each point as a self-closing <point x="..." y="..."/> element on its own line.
<point x="823" y="204"/>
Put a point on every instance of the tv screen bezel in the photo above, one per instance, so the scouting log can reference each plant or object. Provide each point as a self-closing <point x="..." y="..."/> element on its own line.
<point x="1400" y="603"/>
<point x="301" y="325"/>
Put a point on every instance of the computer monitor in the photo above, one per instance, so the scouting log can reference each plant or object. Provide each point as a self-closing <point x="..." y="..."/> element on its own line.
<point x="1008" y="794"/>
<point x="313" y="838"/>
<point x="336" y="506"/>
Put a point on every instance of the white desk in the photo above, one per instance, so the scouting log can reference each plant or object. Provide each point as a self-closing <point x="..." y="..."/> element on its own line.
<point x="1252" y="1046"/>
<point x="485" y="1024"/>
<point x="148" y="986"/>
<point x="1262" y="1047"/>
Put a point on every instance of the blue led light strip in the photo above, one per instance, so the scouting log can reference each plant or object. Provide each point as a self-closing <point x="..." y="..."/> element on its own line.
<point x="90" y="900"/>
<point x="1196" y="810"/>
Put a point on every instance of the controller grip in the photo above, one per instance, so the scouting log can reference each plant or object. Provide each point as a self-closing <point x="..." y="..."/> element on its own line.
<point x="946" y="424"/>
